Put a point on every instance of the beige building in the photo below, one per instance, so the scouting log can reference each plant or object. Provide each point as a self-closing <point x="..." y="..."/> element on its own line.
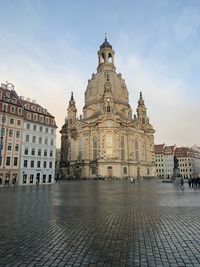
<point x="11" y="130"/>
<point x="107" y="140"/>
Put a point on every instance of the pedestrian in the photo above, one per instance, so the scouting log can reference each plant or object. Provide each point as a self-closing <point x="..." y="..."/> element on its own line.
<point x="189" y="182"/>
<point x="182" y="183"/>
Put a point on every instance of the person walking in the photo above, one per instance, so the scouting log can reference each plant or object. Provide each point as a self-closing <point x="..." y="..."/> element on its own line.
<point x="189" y="182"/>
<point x="182" y="183"/>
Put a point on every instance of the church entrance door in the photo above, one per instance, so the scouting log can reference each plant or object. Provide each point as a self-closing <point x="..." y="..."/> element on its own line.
<point x="110" y="174"/>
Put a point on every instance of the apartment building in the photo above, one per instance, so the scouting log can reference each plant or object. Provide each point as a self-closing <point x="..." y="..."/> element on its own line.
<point x="28" y="140"/>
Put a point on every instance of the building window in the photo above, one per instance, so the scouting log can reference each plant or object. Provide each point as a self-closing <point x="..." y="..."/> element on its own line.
<point x="80" y="149"/>
<point x="19" y="122"/>
<point x="28" y="126"/>
<point x="27" y="138"/>
<point x="15" y="161"/>
<point x="11" y="121"/>
<point x="45" y="153"/>
<point x="25" y="163"/>
<point x="52" y="131"/>
<point x="17" y="134"/>
<point x="44" y="178"/>
<point x="51" y="153"/>
<point x="24" y="178"/>
<point x="12" y="109"/>
<point x="94" y="141"/>
<point x="122" y="148"/>
<point x="109" y="145"/>
<point x="29" y="116"/>
<point x="93" y="170"/>
<point x="50" y="165"/>
<point x="46" y="130"/>
<point x="34" y="139"/>
<point x="17" y="147"/>
<point x="41" y="129"/>
<point x="9" y="147"/>
<point x="40" y="140"/>
<point x="32" y="163"/>
<point x="41" y="118"/>
<point x="19" y="111"/>
<point x="44" y="164"/>
<point x="51" y="142"/>
<point x="26" y="151"/>
<point x="125" y="170"/>
<point x="35" y="127"/>
<point x="46" y="141"/>
<point x="46" y="120"/>
<point x="50" y="176"/>
<point x="108" y="109"/>
<point x="31" y="178"/>
<point x="39" y="152"/>
<point x="33" y="152"/>
<point x="7" y="161"/>
<point x="35" y="117"/>
<point x="38" y="164"/>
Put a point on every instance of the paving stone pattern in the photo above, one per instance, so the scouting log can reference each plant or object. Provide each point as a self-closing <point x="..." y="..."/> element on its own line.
<point x="100" y="223"/>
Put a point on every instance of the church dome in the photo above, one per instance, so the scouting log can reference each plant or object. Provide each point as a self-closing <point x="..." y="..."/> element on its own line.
<point x="106" y="44"/>
<point x="97" y="86"/>
<point x="106" y="85"/>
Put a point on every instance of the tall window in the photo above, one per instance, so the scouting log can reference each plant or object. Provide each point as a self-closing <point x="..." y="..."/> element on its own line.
<point x="15" y="161"/>
<point x="7" y="161"/>
<point x="10" y="133"/>
<point x="80" y="149"/>
<point x="17" y="134"/>
<point x="122" y="148"/>
<point x="109" y="145"/>
<point x="94" y="148"/>
<point x="136" y="150"/>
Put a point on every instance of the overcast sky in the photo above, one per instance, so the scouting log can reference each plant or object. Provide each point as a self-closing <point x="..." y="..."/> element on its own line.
<point x="49" y="48"/>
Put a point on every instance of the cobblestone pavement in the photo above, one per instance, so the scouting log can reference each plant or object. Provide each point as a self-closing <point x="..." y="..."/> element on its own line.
<point x="100" y="223"/>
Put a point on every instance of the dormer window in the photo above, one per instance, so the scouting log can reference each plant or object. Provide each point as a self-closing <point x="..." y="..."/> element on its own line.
<point x="33" y="108"/>
<point x="27" y="106"/>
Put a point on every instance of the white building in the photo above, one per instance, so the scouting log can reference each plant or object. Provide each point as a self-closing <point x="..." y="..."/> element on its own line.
<point x="38" y="145"/>
<point x="188" y="161"/>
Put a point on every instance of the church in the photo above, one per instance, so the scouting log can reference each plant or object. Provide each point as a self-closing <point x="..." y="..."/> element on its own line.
<point x="107" y="140"/>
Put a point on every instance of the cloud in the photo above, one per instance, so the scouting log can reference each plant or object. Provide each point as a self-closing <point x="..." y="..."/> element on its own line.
<point x="173" y="116"/>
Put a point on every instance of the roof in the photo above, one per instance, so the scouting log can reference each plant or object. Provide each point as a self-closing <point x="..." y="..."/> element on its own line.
<point x="159" y="149"/>
<point x="169" y="150"/>
<point x="106" y="44"/>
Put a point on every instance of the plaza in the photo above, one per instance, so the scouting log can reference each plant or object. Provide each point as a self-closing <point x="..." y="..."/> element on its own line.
<point x="100" y="223"/>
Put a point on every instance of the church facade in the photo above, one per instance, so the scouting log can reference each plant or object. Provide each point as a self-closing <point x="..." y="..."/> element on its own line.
<point x="107" y="140"/>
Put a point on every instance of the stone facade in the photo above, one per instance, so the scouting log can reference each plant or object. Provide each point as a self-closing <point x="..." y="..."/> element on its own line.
<point x="107" y="140"/>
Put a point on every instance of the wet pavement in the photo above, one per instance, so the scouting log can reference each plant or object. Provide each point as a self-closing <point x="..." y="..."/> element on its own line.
<point x="100" y="223"/>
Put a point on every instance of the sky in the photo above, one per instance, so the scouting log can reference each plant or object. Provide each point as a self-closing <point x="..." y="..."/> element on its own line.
<point x="49" y="48"/>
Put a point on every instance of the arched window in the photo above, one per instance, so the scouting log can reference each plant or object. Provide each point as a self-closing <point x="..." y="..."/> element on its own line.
<point x="122" y="148"/>
<point x="110" y="59"/>
<point x="109" y="145"/>
<point x="80" y="149"/>
<point x="136" y="150"/>
<point x="108" y="108"/>
<point x="103" y="58"/>
<point x="94" y="141"/>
